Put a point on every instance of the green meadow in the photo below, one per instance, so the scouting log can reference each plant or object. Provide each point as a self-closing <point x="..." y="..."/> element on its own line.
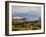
<point x="21" y="25"/>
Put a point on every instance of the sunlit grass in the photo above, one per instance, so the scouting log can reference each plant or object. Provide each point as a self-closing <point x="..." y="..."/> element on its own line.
<point x="22" y="25"/>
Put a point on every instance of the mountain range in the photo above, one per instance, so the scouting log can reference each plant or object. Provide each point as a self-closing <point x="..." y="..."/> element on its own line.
<point x="21" y="18"/>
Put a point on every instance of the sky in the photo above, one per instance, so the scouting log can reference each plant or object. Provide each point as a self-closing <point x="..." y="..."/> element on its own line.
<point x="29" y="12"/>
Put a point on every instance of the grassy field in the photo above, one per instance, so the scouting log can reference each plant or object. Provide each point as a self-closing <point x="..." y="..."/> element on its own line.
<point x="20" y="25"/>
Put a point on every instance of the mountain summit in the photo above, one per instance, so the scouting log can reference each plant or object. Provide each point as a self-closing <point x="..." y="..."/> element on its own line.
<point x="17" y="17"/>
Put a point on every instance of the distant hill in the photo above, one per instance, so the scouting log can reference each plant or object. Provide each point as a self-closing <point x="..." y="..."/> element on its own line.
<point x="17" y="17"/>
<point x="21" y="18"/>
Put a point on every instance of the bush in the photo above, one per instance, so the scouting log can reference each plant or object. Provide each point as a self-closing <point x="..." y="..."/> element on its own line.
<point x="14" y="29"/>
<point x="19" y="23"/>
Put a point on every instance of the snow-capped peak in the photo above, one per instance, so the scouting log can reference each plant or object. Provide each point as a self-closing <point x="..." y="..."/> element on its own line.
<point x="17" y="17"/>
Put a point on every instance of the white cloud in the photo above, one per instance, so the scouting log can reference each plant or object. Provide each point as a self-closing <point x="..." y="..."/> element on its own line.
<point x="25" y="9"/>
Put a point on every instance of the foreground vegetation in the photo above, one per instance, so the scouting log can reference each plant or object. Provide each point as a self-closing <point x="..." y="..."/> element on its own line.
<point x="18" y="25"/>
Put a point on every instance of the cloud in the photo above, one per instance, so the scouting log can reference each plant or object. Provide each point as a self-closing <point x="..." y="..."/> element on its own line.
<point x="24" y="9"/>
